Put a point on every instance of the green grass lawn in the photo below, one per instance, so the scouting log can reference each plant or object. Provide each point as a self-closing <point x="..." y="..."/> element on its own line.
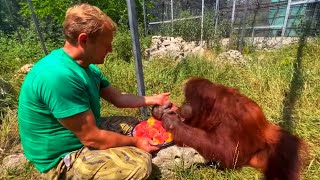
<point x="284" y="82"/>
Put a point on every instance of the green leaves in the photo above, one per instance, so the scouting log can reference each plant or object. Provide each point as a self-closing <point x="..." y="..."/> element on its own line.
<point x="56" y="9"/>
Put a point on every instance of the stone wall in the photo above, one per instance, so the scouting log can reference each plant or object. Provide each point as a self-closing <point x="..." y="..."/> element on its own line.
<point x="265" y="42"/>
<point x="177" y="48"/>
<point x="171" y="47"/>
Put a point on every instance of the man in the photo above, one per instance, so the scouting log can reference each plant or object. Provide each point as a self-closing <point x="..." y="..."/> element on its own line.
<point x="59" y="108"/>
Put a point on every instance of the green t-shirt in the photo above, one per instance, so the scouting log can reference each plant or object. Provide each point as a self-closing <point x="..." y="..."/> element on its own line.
<point x="56" y="87"/>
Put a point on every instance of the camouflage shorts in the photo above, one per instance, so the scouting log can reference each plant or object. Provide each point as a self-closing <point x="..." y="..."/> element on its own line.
<point x="114" y="163"/>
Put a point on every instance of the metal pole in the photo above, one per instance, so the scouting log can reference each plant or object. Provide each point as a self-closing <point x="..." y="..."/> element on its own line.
<point x="285" y="20"/>
<point x="35" y="20"/>
<point x="252" y="36"/>
<point x="202" y="16"/>
<point x="216" y="16"/>
<point x="169" y="21"/>
<point x="304" y="2"/>
<point x="162" y="14"/>
<point x="243" y="28"/>
<point x="232" y="21"/>
<point x="233" y="11"/>
<point x="136" y="51"/>
<point x="171" y="17"/>
<point x="145" y="18"/>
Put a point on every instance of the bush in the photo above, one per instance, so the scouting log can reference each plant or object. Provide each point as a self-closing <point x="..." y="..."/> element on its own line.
<point x="17" y="54"/>
<point x="122" y="44"/>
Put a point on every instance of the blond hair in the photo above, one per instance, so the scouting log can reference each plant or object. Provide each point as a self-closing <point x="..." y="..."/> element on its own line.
<point x="85" y="18"/>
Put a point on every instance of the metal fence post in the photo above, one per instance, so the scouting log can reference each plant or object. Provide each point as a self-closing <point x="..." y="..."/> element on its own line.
<point x="243" y="28"/>
<point x="216" y="17"/>
<point x="171" y="17"/>
<point x="252" y="36"/>
<point x="136" y="51"/>
<point x="233" y="12"/>
<point x="145" y="18"/>
<point x="231" y="26"/>
<point x="35" y="20"/>
<point x="285" y="20"/>
<point x="202" y="16"/>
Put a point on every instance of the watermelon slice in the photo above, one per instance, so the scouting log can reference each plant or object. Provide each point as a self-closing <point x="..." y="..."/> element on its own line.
<point x="153" y="129"/>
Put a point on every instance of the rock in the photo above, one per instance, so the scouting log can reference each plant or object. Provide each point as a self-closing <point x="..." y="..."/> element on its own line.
<point x="179" y="39"/>
<point x="13" y="161"/>
<point x="169" y="158"/>
<point x="25" y="69"/>
<point x="155" y="37"/>
<point x="198" y="50"/>
<point x="188" y="47"/>
<point x="175" y="48"/>
<point x="232" y="56"/>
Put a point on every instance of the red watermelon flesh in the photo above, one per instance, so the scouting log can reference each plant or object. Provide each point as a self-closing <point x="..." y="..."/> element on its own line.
<point x="153" y="130"/>
<point x="158" y="139"/>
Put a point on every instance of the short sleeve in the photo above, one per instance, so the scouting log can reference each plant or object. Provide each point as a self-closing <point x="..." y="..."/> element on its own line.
<point x="63" y="92"/>
<point x="104" y="82"/>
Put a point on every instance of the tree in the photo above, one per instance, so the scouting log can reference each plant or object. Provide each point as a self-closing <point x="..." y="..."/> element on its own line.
<point x="10" y="19"/>
<point x="116" y="9"/>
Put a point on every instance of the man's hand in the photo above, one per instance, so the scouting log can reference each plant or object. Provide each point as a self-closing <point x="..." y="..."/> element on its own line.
<point x="125" y="100"/>
<point x="146" y="144"/>
<point x="161" y="99"/>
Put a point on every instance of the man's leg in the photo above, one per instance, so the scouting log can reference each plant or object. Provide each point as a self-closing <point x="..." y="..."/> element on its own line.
<point x="112" y="164"/>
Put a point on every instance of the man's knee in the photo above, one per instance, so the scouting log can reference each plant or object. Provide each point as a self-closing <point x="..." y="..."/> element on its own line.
<point x="140" y="162"/>
<point x="114" y="163"/>
<point x="144" y="167"/>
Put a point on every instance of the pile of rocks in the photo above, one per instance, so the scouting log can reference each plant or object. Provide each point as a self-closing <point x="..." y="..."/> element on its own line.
<point x="171" y="47"/>
<point x="231" y="56"/>
<point x="13" y="161"/>
<point x="168" y="159"/>
<point x="177" y="48"/>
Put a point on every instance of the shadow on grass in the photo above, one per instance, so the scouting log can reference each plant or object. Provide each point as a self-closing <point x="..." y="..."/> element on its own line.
<point x="296" y="84"/>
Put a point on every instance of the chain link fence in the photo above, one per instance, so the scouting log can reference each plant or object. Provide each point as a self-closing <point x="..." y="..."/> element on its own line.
<point x="241" y="22"/>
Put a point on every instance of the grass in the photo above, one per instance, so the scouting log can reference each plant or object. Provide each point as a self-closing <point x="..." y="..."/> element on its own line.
<point x="284" y="82"/>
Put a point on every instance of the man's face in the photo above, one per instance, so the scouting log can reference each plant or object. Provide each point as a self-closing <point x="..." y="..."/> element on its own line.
<point x="97" y="50"/>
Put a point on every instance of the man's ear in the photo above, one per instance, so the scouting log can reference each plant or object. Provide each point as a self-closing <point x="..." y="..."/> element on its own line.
<point x="82" y="39"/>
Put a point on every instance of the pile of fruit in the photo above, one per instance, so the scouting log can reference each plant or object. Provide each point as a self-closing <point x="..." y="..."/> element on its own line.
<point x="153" y="129"/>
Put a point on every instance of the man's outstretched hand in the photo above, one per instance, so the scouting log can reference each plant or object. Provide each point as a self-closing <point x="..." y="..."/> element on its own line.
<point x="160" y="99"/>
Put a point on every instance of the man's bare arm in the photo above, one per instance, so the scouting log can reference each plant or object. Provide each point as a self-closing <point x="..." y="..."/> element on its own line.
<point x="84" y="127"/>
<point x="124" y="100"/>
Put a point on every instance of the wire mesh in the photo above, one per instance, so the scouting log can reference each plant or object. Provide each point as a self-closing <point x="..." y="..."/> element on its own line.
<point x="258" y="18"/>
